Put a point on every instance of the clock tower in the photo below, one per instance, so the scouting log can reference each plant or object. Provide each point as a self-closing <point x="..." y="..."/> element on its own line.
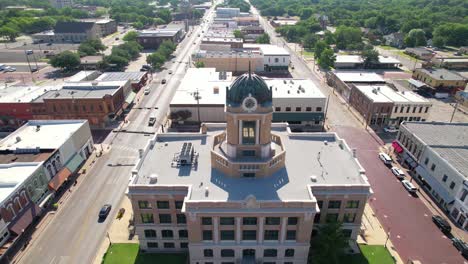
<point x="248" y="114"/>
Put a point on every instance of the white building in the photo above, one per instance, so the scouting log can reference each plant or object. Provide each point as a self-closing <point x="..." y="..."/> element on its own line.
<point x="35" y="161"/>
<point x="275" y="58"/>
<point x="459" y="212"/>
<point x="437" y="153"/>
<point x="296" y="101"/>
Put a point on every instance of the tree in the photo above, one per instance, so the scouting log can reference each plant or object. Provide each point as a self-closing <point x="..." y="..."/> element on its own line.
<point x="347" y="37"/>
<point x="329" y="244"/>
<point x="416" y="37"/>
<point x="309" y="41"/>
<point x="164" y="14"/>
<point x="156" y="60"/>
<point x="370" y="57"/>
<point x="91" y="47"/>
<point x="320" y="46"/>
<point x="199" y="64"/>
<point x="8" y="32"/>
<point x="65" y="60"/>
<point x="263" y="39"/>
<point x="327" y="59"/>
<point x="238" y="34"/>
<point x="138" y="25"/>
<point x="131" y="36"/>
<point x="115" y="61"/>
<point x="438" y="41"/>
<point x="453" y="34"/>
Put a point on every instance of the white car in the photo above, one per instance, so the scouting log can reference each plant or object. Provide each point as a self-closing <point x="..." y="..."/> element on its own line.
<point x="147" y="91"/>
<point x="9" y="69"/>
<point x="409" y="186"/>
<point x="390" y="129"/>
<point x="398" y="173"/>
<point x="385" y="158"/>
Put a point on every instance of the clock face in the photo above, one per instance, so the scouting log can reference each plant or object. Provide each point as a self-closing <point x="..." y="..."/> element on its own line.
<point x="249" y="104"/>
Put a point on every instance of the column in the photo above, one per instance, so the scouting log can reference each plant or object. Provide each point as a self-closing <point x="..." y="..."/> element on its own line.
<point x="260" y="229"/>
<point x="215" y="230"/>
<point x="238" y="229"/>
<point x="284" y="224"/>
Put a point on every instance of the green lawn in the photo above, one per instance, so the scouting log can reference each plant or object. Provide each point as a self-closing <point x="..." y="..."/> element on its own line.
<point x="129" y="254"/>
<point x="308" y="53"/>
<point x="370" y="255"/>
<point x="387" y="47"/>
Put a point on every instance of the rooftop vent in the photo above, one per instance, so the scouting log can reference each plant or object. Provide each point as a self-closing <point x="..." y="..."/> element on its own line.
<point x="313" y="178"/>
<point x="38" y="127"/>
<point x="354" y="152"/>
<point x="325" y="142"/>
<point x="207" y="191"/>
<point x="18" y="139"/>
<point x="153" y="178"/>
<point x="186" y="154"/>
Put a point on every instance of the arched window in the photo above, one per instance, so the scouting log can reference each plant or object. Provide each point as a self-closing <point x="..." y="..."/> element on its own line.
<point x="18" y="203"/>
<point x="12" y="210"/>
<point x="54" y="165"/>
<point x="49" y="169"/>
<point x="25" y="197"/>
<point x="150" y="233"/>
<point x="59" y="164"/>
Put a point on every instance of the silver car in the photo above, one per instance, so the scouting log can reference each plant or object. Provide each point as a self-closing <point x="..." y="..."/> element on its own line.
<point x="409" y="186"/>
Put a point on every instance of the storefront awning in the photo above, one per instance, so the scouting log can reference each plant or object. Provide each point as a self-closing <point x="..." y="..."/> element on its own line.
<point x="59" y="179"/>
<point x="74" y="162"/>
<point x="25" y="218"/>
<point x="397" y="147"/>
<point x="416" y="83"/>
<point x="130" y="97"/>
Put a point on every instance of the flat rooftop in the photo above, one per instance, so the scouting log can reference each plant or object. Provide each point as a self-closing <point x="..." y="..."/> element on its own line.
<point x="121" y="76"/>
<point x="362" y="77"/>
<point x="42" y="134"/>
<point x="77" y="90"/>
<point x="13" y="175"/>
<point x="359" y="59"/>
<point x="452" y="146"/>
<point x="226" y="40"/>
<point x="442" y="74"/>
<point x="23" y="94"/>
<point x="385" y="94"/>
<point x="307" y="155"/>
<point x="268" y="49"/>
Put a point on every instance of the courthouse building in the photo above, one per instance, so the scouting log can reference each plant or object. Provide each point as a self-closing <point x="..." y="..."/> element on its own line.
<point x="247" y="191"/>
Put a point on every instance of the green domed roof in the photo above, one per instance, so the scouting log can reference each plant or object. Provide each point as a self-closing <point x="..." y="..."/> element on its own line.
<point x="248" y="84"/>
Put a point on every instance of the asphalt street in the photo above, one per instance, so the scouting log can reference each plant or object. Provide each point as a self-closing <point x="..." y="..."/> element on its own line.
<point x="74" y="234"/>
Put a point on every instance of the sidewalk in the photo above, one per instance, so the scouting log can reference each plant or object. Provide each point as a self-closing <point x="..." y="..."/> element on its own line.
<point x="374" y="234"/>
<point x="118" y="231"/>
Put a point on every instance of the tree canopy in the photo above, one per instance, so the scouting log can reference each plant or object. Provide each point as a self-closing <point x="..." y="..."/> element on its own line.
<point x="65" y="60"/>
<point x="329" y="244"/>
<point x="91" y="47"/>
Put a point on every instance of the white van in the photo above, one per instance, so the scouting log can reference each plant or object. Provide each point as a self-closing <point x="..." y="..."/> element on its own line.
<point x="385" y="158"/>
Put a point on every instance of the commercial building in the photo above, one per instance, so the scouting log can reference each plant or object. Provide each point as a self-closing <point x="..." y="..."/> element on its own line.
<point x="342" y="81"/>
<point x="35" y="161"/>
<point x="227" y="12"/>
<point x="395" y="39"/>
<point x="420" y="53"/>
<point x="459" y="211"/>
<point x="440" y="80"/>
<point x="75" y="32"/>
<point x="283" y="22"/>
<point x="234" y="43"/>
<point x="100" y="102"/>
<point x="356" y="61"/>
<point x="381" y="105"/>
<point x="437" y="154"/>
<point x="451" y="63"/>
<point x="296" y="101"/>
<point x="105" y="26"/>
<point x="15" y="103"/>
<point x="247" y="191"/>
<point x="90" y="62"/>
<point x="137" y="79"/>
<point x="152" y="38"/>
<point x="275" y="58"/>
<point x="247" y="21"/>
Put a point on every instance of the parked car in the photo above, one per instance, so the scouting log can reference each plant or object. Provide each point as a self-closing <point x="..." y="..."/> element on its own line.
<point x="441" y="223"/>
<point x="390" y="129"/>
<point x="49" y="44"/>
<point x="105" y="210"/>
<point x="163" y="81"/>
<point x="398" y="173"/>
<point x="116" y="38"/>
<point x="29" y="52"/>
<point x="461" y="246"/>
<point x="34" y="69"/>
<point x="151" y="121"/>
<point x="147" y="90"/>
<point x="385" y="158"/>
<point x="170" y="72"/>
<point x="409" y="186"/>
<point x="9" y="69"/>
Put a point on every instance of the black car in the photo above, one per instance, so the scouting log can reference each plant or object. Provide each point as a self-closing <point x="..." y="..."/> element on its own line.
<point x="461" y="246"/>
<point x="441" y="223"/>
<point x="105" y="210"/>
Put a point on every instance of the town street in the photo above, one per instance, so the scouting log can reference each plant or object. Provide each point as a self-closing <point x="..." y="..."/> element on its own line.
<point x="74" y="234"/>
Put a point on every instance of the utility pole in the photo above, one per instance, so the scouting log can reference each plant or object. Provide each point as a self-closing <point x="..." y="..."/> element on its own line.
<point x="27" y="59"/>
<point x="455" y="108"/>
